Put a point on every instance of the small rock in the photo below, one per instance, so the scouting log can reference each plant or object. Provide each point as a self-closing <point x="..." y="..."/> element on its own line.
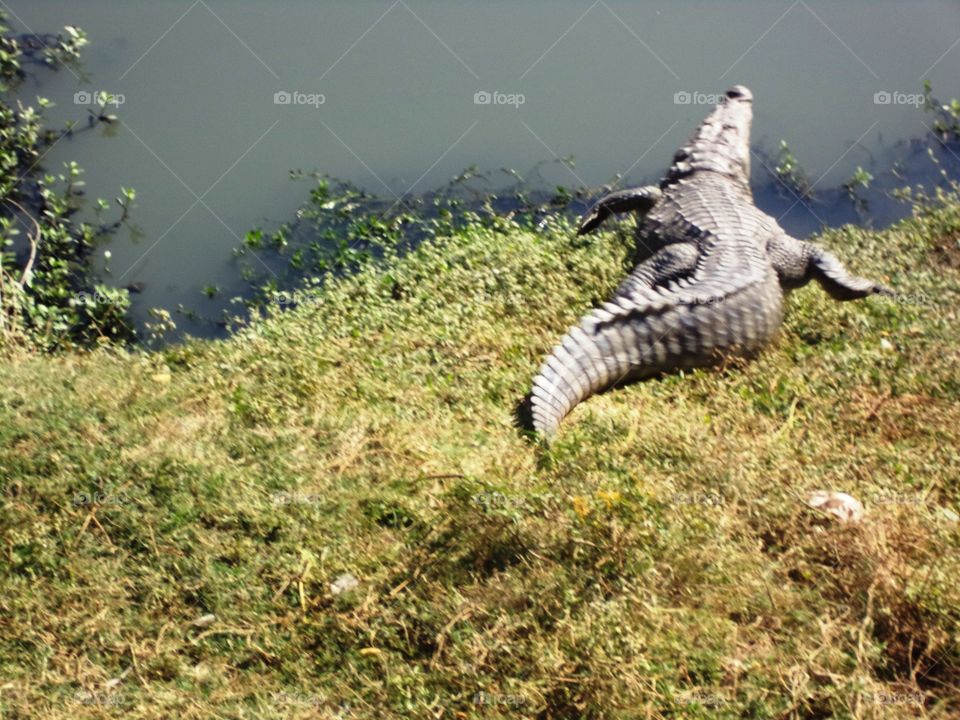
<point x="200" y="671"/>
<point x="344" y="583"/>
<point x="842" y="506"/>
<point x="205" y="621"/>
<point x="949" y="515"/>
<point x="886" y="345"/>
<point x="114" y="682"/>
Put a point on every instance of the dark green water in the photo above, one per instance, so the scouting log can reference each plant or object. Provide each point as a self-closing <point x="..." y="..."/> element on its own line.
<point x="386" y="94"/>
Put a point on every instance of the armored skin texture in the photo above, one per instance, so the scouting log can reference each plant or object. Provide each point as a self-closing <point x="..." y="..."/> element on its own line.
<point x="713" y="281"/>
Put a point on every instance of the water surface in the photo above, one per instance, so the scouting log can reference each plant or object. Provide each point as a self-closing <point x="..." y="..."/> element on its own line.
<point x="618" y="85"/>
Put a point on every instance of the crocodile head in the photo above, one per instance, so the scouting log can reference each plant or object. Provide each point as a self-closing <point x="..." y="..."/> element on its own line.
<point x="722" y="142"/>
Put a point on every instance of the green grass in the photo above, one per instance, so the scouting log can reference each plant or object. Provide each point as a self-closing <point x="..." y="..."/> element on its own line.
<point x="656" y="561"/>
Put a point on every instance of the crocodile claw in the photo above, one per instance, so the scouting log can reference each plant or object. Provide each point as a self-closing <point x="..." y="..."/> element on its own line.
<point x="591" y="221"/>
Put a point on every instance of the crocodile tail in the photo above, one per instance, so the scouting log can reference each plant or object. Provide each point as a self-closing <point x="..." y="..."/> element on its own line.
<point x="623" y="341"/>
<point x="562" y="382"/>
<point x="594" y="357"/>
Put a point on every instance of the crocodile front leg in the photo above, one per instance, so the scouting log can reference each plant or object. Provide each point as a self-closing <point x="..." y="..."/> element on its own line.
<point x="798" y="262"/>
<point x="639" y="200"/>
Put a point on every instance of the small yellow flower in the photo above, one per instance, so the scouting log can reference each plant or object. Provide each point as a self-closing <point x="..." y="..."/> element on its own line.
<point x="610" y="497"/>
<point x="581" y="505"/>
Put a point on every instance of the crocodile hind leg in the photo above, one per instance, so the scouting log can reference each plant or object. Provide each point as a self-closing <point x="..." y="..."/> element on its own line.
<point x="798" y="262"/>
<point x="669" y="263"/>
<point x="639" y="200"/>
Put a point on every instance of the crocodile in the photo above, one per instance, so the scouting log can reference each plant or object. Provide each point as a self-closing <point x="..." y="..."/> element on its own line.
<point x="712" y="278"/>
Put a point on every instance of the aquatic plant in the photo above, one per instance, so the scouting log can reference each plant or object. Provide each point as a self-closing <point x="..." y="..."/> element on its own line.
<point x="49" y="296"/>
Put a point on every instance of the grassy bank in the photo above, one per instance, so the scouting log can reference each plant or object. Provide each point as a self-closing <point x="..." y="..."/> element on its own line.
<point x="657" y="561"/>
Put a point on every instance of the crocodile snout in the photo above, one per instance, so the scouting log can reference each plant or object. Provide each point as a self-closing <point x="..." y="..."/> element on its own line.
<point x="740" y="92"/>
